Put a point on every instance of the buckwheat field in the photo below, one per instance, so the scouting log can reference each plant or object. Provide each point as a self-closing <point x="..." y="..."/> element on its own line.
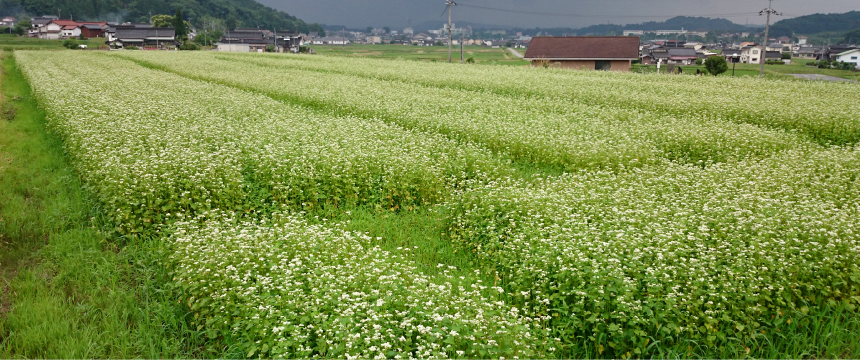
<point x="564" y="213"/>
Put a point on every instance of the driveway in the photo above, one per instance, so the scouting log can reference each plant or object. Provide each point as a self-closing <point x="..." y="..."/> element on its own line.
<point x="820" y="77"/>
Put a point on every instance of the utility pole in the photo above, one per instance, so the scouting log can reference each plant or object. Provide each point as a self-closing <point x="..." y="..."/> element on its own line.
<point x="449" y="3"/>
<point x="767" y="11"/>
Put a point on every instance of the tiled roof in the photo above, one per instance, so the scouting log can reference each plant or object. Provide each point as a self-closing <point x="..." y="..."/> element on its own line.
<point x="584" y="47"/>
<point x="128" y="32"/>
<point x="65" y="22"/>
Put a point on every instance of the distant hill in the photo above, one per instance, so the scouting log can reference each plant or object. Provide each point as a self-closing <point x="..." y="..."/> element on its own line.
<point x="678" y="22"/>
<point x="248" y="13"/>
<point x="816" y="23"/>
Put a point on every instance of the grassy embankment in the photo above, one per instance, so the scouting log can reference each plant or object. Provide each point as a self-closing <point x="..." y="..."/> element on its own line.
<point x="798" y="66"/>
<point x="68" y="288"/>
<point x="15" y="42"/>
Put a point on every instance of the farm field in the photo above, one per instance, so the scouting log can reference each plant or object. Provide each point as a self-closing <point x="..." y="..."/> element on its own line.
<point x="15" y="42"/>
<point x="328" y="206"/>
<point x="500" y="56"/>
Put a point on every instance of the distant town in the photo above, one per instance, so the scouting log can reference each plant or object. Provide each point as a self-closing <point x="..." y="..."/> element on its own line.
<point x="666" y="46"/>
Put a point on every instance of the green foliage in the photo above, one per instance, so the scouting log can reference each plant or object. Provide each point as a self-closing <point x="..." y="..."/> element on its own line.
<point x="71" y="44"/>
<point x="470" y="60"/>
<point x="162" y="21"/>
<point x="208" y="37"/>
<point x="700" y="61"/>
<point x="852" y="37"/>
<point x="318" y="28"/>
<point x="816" y="23"/>
<point x="716" y="65"/>
<point x="243" y="12"/>
<point x="189" y="46"/>
<point x="180" y="25"/>
<point x="786" y="55"/>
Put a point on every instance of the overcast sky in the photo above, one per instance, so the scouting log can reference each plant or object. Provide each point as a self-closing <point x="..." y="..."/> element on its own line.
<point x="543" y="13"/>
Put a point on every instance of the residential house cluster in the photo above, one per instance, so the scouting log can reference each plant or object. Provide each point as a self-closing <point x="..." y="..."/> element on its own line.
<point x="51" y="27"/>
<point x="257" y="40"/>
<point x="673" y="52"/>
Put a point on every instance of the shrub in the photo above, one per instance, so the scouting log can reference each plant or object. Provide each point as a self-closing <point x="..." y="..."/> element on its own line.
<point x="189" y="46"/>
<point x="70" y="44"/>
<point x="716" y="65"/>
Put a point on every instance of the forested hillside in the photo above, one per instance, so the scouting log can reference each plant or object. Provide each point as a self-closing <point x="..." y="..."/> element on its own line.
<point x="246" y="13"/>
<point x="816" y="23"/>
<point x="678" y="22"/>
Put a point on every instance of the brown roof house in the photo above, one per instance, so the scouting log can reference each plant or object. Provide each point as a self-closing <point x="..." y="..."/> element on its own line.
<point x="614" y="53"/>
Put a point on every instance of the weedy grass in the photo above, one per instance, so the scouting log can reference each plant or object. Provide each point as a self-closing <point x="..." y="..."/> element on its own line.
<point x="67" y="288"/>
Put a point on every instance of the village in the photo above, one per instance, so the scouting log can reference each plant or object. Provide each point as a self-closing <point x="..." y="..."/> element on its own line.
<point x="616" y="53"/>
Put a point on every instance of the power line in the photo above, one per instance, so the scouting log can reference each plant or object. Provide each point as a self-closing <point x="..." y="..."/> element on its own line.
<point x="590" y="15"/>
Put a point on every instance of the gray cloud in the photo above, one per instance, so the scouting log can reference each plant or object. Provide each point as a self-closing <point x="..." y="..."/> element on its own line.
<point x="543" y="13"/>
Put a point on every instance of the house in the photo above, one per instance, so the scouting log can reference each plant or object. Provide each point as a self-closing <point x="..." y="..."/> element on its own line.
<point x="801" y="40"/>
<point x="614" y="53"/>
<point x="654" y="55"/>
<point x="7" y="21"/>
<point x="849" y="56"/>
<point x="750" y="55"/>
<point x="56" y="29"/>
<point x="806" y="51"/>
<point x="829" y="53"/>
<point x="374" y="40"/>
<point x="131" y="35"/>
<point x="685" y="56"/>
<point x="729" y="54"/>
<point x="332" y="40"/>
<point x="93" y="29"/>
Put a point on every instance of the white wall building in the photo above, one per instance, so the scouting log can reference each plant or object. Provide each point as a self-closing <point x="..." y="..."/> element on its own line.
<point x="850" y="56"/>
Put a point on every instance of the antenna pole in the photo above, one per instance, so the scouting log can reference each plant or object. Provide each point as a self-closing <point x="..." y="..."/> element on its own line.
<point x="767" y="11"/>
<point x="462" y="45"/>
<point x="449" y="3"/>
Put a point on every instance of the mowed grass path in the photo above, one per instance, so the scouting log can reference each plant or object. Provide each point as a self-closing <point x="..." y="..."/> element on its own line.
<point x="68" y="289"/>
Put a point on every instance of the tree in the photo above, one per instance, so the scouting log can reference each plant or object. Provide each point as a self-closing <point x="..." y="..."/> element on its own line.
<point x="231" y="23"/>
<point x="318" y="28"/>
<point x="716" y="65"/>
<point x="387" y="30"/>
<point x="180" y="25"/>
<point x="369" y="29"/>
<point x="161" y="21"/>
<point x="852" y="37"/>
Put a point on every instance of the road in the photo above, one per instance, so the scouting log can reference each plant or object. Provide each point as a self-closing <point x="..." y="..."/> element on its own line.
<point x="516" y="53"/>
<point x="819" y="77"/>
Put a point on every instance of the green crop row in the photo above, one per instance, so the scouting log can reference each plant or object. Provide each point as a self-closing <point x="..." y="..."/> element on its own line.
<point x="155" y="144"/>
<point x="719" y="256"/>
<point x="550" y="132"/>
<point x="820" y="110"/>
<point x="294" y="290"/>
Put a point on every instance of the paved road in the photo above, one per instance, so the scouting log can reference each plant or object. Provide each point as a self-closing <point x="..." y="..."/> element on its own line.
<point x="820" y="77"/>
<point x="516" y="53"/>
